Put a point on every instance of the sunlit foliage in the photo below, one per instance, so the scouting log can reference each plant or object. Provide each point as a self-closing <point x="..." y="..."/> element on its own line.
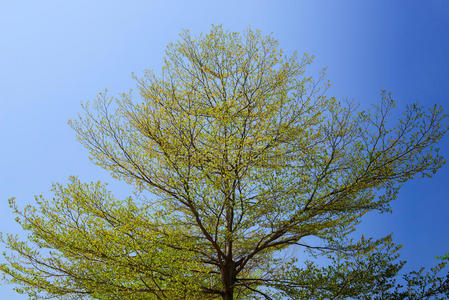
<point x="243" y="159"/>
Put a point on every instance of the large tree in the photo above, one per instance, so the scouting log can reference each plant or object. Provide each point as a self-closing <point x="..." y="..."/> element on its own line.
<point x="240" y="163"/>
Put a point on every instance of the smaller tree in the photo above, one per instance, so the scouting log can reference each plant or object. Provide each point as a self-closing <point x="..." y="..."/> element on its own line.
<point x="240" y="158"/>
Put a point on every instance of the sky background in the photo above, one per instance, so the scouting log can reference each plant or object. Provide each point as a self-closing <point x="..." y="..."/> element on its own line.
<point x="54" y="55"/>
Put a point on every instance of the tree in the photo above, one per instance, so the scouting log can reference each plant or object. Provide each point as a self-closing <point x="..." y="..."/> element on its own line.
<point x="238" y="159"/>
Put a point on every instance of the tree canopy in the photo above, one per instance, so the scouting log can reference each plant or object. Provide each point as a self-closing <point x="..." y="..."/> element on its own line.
<point x="246" y="174"/>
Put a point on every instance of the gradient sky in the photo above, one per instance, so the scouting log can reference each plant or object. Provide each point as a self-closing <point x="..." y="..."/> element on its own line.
<point x="56" y="54"/>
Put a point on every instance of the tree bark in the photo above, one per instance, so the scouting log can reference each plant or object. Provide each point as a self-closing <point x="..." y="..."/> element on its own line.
<point x="228" y="281"/>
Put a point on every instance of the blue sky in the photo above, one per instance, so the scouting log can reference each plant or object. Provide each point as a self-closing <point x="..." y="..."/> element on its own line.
<point x="56" y="54"/>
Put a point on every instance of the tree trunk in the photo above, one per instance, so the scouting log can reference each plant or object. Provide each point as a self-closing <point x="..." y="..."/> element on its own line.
<point x="228" y="295"/>
<point x="228" y="276"/>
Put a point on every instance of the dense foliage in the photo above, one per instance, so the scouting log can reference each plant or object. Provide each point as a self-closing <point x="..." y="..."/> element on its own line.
<point x="246" y="173"/>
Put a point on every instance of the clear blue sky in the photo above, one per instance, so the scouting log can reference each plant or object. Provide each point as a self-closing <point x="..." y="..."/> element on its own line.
<point x="56" y="54"/>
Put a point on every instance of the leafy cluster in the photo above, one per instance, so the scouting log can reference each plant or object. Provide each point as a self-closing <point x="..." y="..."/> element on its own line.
<point x="243" y="158"/>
